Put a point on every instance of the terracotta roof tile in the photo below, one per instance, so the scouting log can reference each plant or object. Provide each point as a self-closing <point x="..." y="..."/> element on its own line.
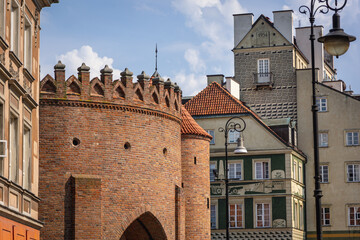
<point x="190" y="127"/>
<point x="215" y="100"/>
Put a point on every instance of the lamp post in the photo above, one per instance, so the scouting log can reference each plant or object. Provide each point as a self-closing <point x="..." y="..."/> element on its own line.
<point x="238" y="127"/>
<point x="336" y="43"/>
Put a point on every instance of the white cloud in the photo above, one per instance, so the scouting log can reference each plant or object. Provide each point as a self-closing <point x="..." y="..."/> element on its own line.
<point x="74" y="58"/>
<point x="191" y="83"/>
<point x="195" y="63"/>
<point x="213" y="20"/>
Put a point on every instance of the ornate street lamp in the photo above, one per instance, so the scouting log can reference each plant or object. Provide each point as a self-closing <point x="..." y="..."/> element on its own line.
<point x="238" y="126"/>
<point x="336" y="43"/>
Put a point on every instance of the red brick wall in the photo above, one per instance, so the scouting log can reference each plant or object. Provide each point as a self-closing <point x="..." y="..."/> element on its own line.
<point x="133" y="181"/>
<point x="196" y="189"/>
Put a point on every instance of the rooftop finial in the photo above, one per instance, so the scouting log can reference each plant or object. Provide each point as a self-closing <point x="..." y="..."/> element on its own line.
<point x="156" y="51"/>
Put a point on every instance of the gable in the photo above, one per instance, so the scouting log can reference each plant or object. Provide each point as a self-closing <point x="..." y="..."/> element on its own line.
<point x="263" y="34"/>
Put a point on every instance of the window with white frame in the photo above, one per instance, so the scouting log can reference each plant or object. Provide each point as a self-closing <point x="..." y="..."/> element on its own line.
<point x="14" y="148"/>
<point x="324" y="173"/>
<point x="353" y="172"/>
<point x="212" y="169"/>
<point x="323" y="139"/>
<point x="235" y="215"/>
<point x="2" y="18"/>
<point x="354" y="216"/>
<point x="233" y="136"/>
<point x="295" y="169"/>
<point x="352" y="138"/>
<point x="213" y="216"/>
<point x="325" y="216"/>
<point x="262" y="169"/>
<point x="263" y="71"/>
<point x="321" y="102"/>
<point x="27" y="158"/>
<point x="262" y="215"/>
<point x="235" y="170"/>
<point x="212" y="133"/>
<point x="27" y="45"/>
<point x="15" y="27"/>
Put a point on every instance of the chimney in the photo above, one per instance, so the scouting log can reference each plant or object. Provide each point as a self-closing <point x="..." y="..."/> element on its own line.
<point x="242" y="25"/>
<point x="233" y="87"/>
<point x="219" y="78"/>
<point x="283" y="22"/>
<point x="303" y="43"/>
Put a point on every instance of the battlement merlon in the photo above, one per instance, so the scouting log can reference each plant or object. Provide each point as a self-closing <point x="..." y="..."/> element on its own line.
<point x="153" y="92"/>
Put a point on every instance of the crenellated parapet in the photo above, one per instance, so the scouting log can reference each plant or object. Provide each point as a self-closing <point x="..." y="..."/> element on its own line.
<point x="151" y="93"/>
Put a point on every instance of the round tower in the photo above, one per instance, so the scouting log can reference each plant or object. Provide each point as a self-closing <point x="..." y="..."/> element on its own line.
<point x="195" y="153"/>
<point x="110" y="156"/>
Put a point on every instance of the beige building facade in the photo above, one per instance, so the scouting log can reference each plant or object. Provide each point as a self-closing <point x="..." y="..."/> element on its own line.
<point x="339" y="129"/>
<point x="19" y="117"/>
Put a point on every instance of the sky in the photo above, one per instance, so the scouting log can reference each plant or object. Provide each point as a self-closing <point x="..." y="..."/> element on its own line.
<point x="194" y="37"/>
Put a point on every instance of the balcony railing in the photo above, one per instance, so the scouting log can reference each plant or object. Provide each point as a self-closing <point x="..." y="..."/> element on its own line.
<point x="263" y="79"/>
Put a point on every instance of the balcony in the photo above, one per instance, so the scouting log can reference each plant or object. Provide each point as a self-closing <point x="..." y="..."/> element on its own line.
<point x="263" y="79"/>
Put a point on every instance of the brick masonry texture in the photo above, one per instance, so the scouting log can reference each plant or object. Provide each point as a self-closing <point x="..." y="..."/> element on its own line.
<point x="111" y="158"/>
<point x="283" y="91"/>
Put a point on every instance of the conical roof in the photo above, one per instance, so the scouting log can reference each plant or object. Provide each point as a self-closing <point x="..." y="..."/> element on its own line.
<point x="190" y="127"/>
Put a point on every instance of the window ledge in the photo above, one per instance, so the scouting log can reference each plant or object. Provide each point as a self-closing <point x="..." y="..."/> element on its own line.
<point x="3" y="44"/>
<point x="352" y="145"/>
<point x="15" y="59"/>
<point x="353" y="182"/>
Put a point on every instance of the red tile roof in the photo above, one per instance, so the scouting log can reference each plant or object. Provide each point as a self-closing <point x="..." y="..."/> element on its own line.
<point x="190" y="127"/>
<point x="215" y="100"/>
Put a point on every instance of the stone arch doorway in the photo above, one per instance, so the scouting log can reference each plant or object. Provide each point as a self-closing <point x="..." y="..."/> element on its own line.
<point x="145" y="227"/>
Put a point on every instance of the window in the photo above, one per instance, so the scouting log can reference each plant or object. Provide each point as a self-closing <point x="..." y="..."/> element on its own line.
<point x="233" y="136"/>
<point x="354" y="216"/>
<point x="300" y="175"/>
<point x="322" y="104"/>
<point x="212" y="133"/>
<point x="262" y="170"/>
<point x="295" y="170"/>
<point x="235" y="216"/>
<point x="323" y="140"/>
<point x="353" y="172"/>
<point x="262" y="215"/>
<point x="301" y="216"/>
<point x="2" y="19"/>
<point x="14" y="149"/>
<point x="212" y="169"/>
<point x="15" y="23"/>
<point x="296" y="220"/>
<point x="352" y="138"/>
<point x="27" y="45"/>
<point x="263" y="71"/>
<point x="235" y="171"/>
<point x="213" y="216"/>
<point x="324" y="173"/>
<point x="27" y="159"/>
<point x="325" y="216"/>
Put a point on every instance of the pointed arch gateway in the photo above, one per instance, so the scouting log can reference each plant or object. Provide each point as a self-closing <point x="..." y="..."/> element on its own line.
<point x="145" y="227"/>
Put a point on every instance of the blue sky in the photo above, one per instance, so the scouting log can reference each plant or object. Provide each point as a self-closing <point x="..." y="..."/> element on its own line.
<point x="194" y="37"/>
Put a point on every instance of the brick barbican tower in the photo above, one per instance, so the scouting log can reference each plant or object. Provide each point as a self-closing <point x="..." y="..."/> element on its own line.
<point x="120" y="160"/>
